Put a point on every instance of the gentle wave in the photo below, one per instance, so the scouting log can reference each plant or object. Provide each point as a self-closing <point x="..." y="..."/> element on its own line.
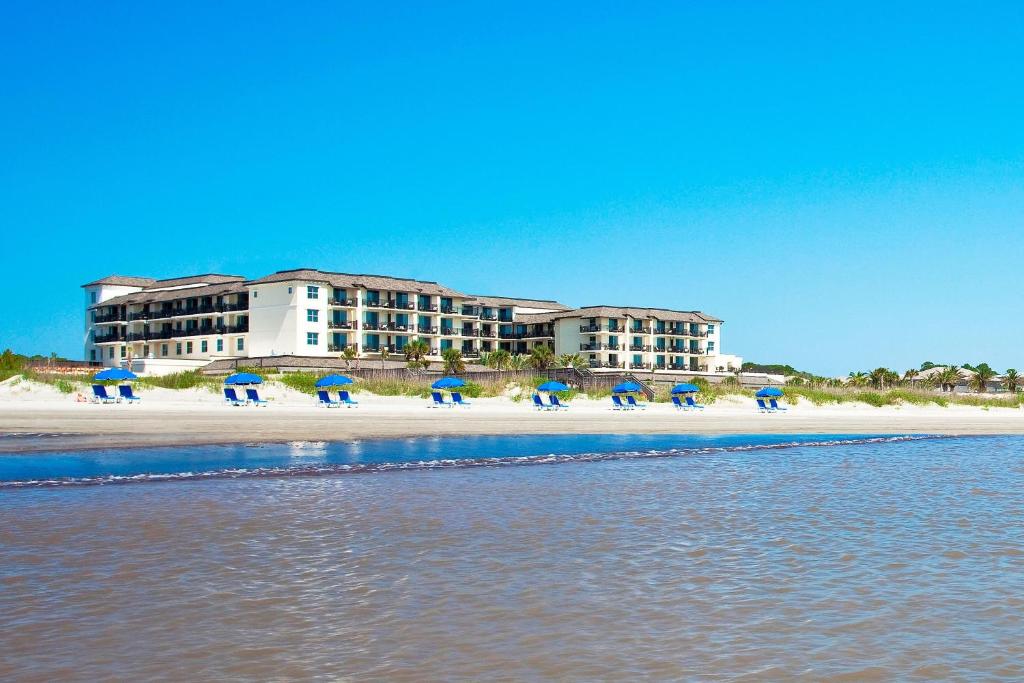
<point x="492" y="461"/>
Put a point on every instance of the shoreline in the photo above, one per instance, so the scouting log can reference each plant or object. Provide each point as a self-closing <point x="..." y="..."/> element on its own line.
<point x="31" y="427"/>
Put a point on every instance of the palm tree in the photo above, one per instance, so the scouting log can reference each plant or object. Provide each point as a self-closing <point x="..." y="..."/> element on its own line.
<point x="878" y="377"/>
<point x="1011" y="380"/>
<point x="416" y="353"/>
<point x="484" y="358"/>
<point x="349" y="355"/>
<point x="453" y="363"/>
<point x="384" y="353"/>
<point x="499" y="360"/>
<point x="982" y="376"/>
<point x="909" y="376"/>
<point x="542" y="357"/>
<point x="572" y="360"/>
<point x="858" y="379"/>
<point x="948" y="377"/>
<point x="517" y="362"/>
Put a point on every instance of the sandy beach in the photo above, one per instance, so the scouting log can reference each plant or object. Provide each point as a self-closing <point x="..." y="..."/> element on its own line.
<point x="166" y="417"/>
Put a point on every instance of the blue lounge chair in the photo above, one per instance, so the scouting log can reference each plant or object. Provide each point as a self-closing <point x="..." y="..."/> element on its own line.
<point x="693" y="404"/>
<point x="679" y="404"/>
<point x="326" y="400"/>
<point x="457" y="400"/>
<point x="761" y="407"/>
<point x="100" y="395"/>
<point x="231" y="398"/>
<point x="346" y="399"/>
<point x="617" y="403"/>
<point x="634" y="404"/>
<point x="775" y="405"/>
<point x="556" y="404"/>
<point x="539" y="403"/>
<point x="438" y="400"/>
<point x="254" y="397"/>
<point x="125" y="390"/>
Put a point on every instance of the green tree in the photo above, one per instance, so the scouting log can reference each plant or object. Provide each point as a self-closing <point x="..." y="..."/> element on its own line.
<point x="572" y="360"/>
<point x="1011" y="380"/>
<point x="541" y="357"/>
<point x="385" y="353"/>
<point x="350" y="355"/>
<point x="499" y="360"/>
<point x="948" y="378"/>
<point x="453" y="363"/>
<point x="416" y="353"/>
<point x="983" y="374"/>
<point x="517" y="362"/>
<point x="880" y="378"/>
<point x="909" y="376"/>
<point x="858" y="379"/>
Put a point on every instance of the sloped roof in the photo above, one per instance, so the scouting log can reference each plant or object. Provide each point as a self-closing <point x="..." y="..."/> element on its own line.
<point x="634" y="312"/>
<point x="499" y="301"/>
<point x="537" y="318"/>
<point x="356" y="280"/>
<point x="149" y="296"/>
<point x="122" y="280"/>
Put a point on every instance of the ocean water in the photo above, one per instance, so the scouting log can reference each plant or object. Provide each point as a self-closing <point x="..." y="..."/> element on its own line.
<point x="531" y="558"/>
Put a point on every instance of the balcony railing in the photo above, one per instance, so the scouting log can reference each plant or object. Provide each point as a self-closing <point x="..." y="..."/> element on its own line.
<point x="640" y="330"/>
<point x="639" y="366"/>
<point x="639" y="347"/>
<point x="430" y="308"/>
<point x="338" y="348"/>
<point x="426" y="330"/>
<point x="489" y="317"/>
<point x="449" y="331"/>
<point x="513" y="335"/>
<point x="590" y="328"/>
<point x="341" y="301"/>
<point x="599" y="364"/>
<point x="107" y="338"/>
<point x="370" y="326"/>
<point x="109" y="318"/>
<point x="616" y="330"/>
<point x="448" y="309"/>
<point x="341" y="325"/>
<point x="489" y="333"/>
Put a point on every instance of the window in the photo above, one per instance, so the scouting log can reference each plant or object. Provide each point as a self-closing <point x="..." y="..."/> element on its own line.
<point x="289" y="290"/>
<point x="188" y="347"/>
<point x="312" y="315"/>
<point x="240" y="344"/>
<point x="163" y="349"/>
<point x="177" y="349"/>
<point x="92" y="297"/>
<point x="312" y="292"/>
<point x="145" y="350"/>
<point x="711" y="328"/>
<point x="92" y="354"/>
<point x="255" y="294"/>
<point x="312" y="338"/>
<point x="220" y="345"/>
<point x="110" y="352"/>
<point x="711" y="346"/>
<point x="204" y="346"/>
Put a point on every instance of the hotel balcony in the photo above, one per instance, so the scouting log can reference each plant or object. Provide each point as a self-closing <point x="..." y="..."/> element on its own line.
<point x="342" y="325"/>
<point x="338" y="348"/>
<point x="391" y="305"/>
<point x="108" y="338"/>
<point x="428" y="308"/>
<point x="590" y="328"/>
<point x="605" y="364"/>
<point x="489" y="318"/>
<point x="639" y="330"/>
<point x="426" y="330"/>
<point x="639" y="366"/>
<point x="341" y="301"/>
<point x="109" y="318"/>
<point x="639" y="347"/>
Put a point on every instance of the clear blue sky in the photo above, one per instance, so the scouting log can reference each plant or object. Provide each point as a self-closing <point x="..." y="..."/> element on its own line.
<point x="843" y="184"/>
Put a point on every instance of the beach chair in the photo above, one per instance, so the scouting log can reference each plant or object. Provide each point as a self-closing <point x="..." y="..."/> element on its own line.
<point x="457" y="400"/>
<point x="539" y="403"/>
<point x="253" y="396"/>
<point x="347" y="400"/>
<point x="100" y="395"/>
<point x="438" y="400"/>
<point x="634" y="404"/>
<point x="326" y="400"/>
<point x="125" y="390"/>
<point x="775" y="405"/>
<point x="617" y="403"/>
<point x="558" y="405"/>
<point x="679" y="404"/>
<point x="231" y="398"/>
<point x="693" y="404"/>
<point x="761" y="407"/>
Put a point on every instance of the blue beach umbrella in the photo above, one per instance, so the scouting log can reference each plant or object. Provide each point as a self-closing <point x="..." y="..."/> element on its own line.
<point x="627" y="388"/>
<point x="769" y="392"/>
<point x="552" y="386"/>
<point x="333" y="381"/>
<point x="114" y="374"/>
<point x="243" y="378"/>
<point x="685" y="389"/>
<point x="448" y="383"/>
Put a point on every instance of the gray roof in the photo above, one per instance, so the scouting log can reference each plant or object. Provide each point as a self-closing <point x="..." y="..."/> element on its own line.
<point x="122" y="280"/>
<point x="643" y="313"/>
<point x="537" y="318"/>
<point x="356" y="280"/>
<point x="499" y="301"/>
<point x="150" y="296"/>
<point x="151" y="283"/>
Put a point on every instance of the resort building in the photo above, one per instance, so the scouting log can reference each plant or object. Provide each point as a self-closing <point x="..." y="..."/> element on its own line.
<point x="162" y="326"/>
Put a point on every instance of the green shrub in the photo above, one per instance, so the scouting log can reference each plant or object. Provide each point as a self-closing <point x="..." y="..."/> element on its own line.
<point x="299" y="381"/>
<point x="187" y="379"/>
<point x="65" y="387"/>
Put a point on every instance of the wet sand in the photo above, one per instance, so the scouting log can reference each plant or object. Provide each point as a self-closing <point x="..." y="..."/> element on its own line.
<point x="72" y="426"/>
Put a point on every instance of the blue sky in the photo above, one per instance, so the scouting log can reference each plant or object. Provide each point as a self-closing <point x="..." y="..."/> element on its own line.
<point x="843" y="184"/>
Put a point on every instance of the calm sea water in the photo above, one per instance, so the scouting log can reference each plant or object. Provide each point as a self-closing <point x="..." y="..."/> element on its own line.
<point x="738" y="558"/>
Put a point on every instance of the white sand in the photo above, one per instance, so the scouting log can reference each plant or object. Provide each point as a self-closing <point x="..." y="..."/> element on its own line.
<point x="169" y="417"/>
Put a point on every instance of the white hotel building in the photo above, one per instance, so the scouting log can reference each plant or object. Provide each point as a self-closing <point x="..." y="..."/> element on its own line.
<point x="164" y="326"/>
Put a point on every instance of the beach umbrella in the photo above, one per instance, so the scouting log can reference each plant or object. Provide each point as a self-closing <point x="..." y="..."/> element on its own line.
<point x="552" y="386"/>
<point x="243" y="378"/>
<point x="448" y="383"/>
<point x="114" y="374"/>
<point x="627" y="388"/>
<point x="686" y="388"/>
<point x="333" y="381"/>
<point x="769" y="392"/>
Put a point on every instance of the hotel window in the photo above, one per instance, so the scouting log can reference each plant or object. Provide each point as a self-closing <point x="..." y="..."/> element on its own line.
<point x="177" y="349"/>
<point x="188" y="347"/>
<point x="92" y="297"/>
<point x="220" y="344"/>
<point x="240" y="344"/>
<point x="255" y="294"/>
<point x="110" y="352"/>
<point x="711" y="346"/>
<point x="312" y="338"/>
<point x="711" y="329"/>
<point x="312" y="315"/>
<point x="289" y="290"/>
<point x="145" y="350"/>
<point x="204" y="346"/>
<point x="163" y="349"/>
<point x="92" y="355"/>
<point x="312" y="292"/>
